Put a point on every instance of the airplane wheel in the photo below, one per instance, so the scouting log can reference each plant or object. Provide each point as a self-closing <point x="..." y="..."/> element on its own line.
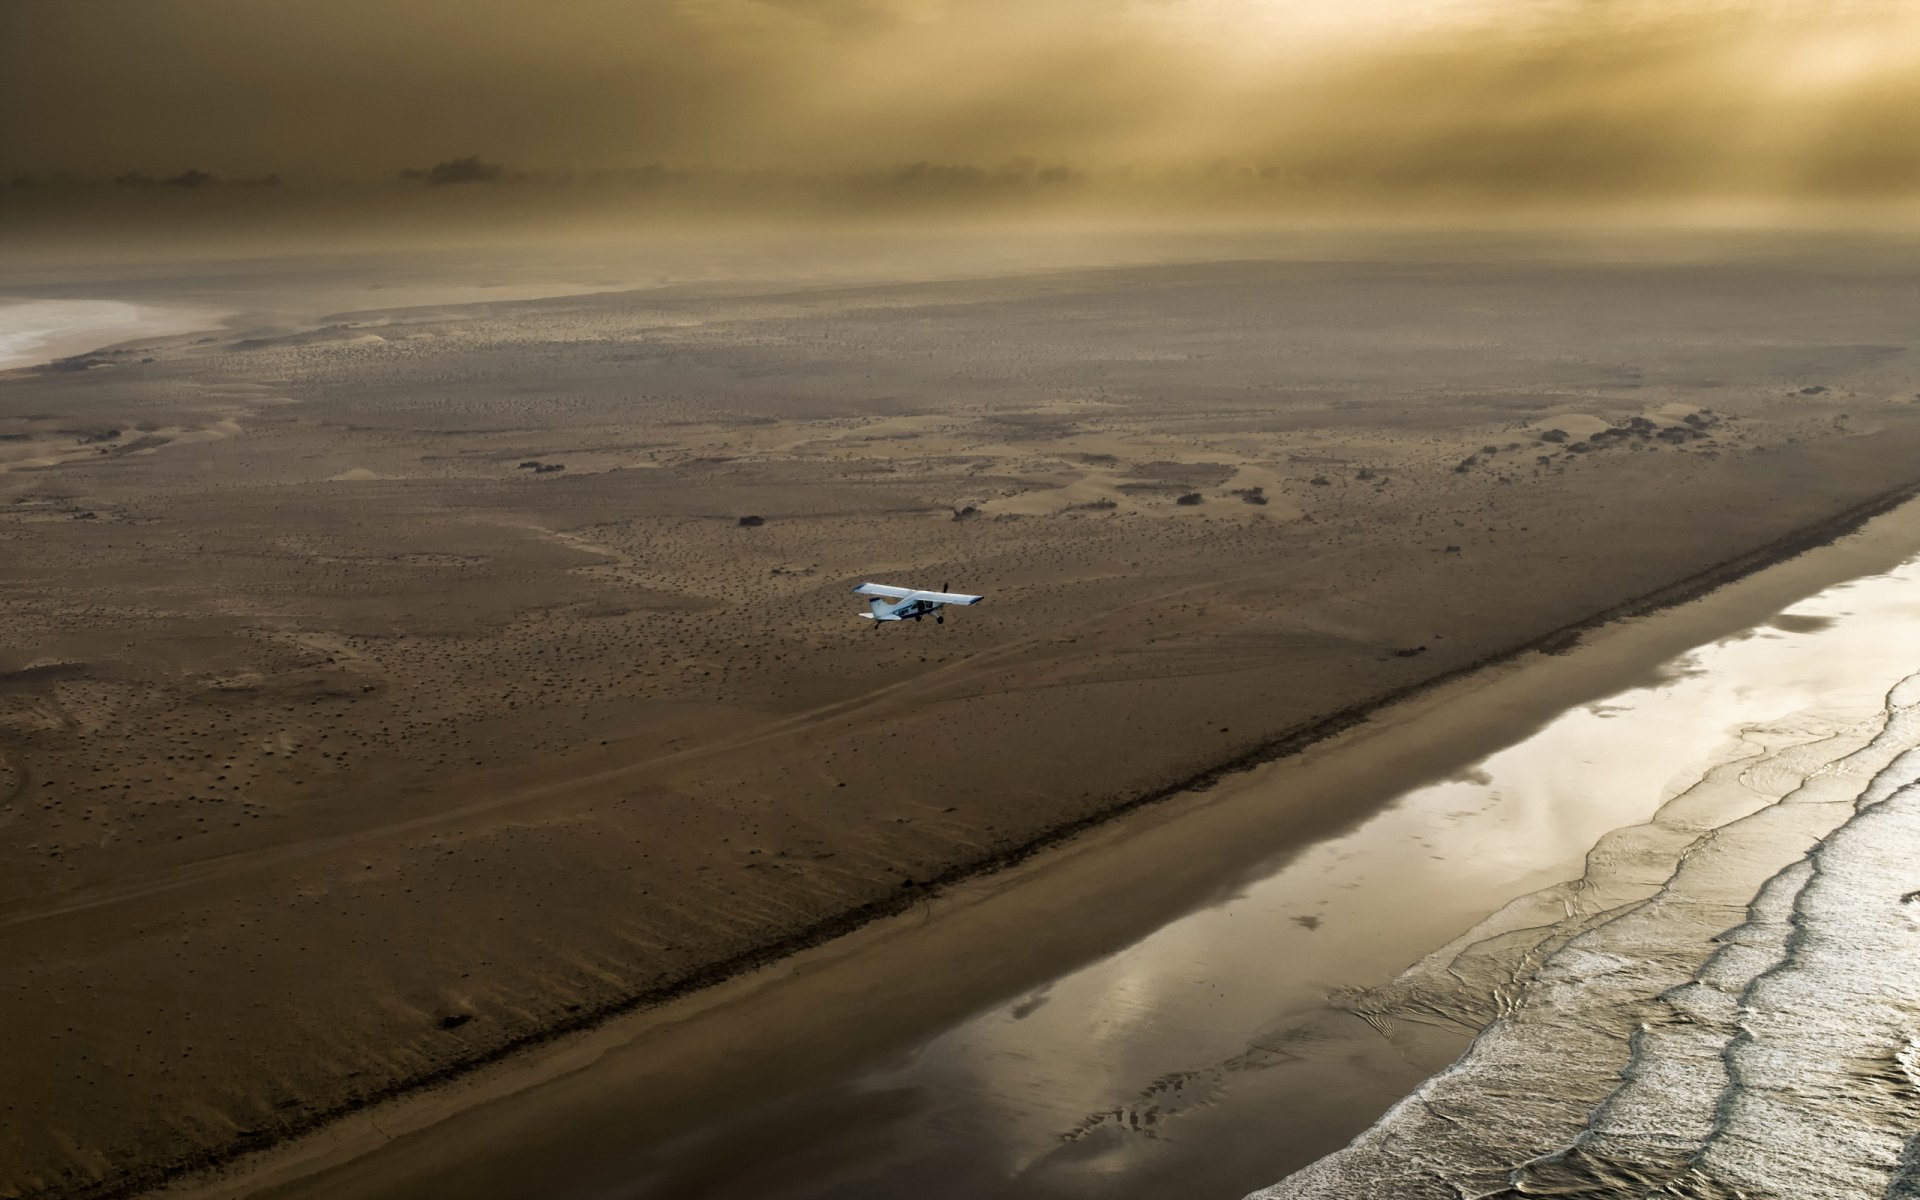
<point x="939" y="620"/>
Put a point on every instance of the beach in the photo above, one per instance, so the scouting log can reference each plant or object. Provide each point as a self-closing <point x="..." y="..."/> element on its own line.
<point x="400" y="694"/>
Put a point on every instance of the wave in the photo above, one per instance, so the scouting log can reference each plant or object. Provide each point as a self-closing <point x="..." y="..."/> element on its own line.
<point x="1726" y="1003"/>
<point x="34" y="331"/>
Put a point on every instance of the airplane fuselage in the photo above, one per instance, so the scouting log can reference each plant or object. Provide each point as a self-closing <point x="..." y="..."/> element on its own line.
<point x="908" y="610"/>
<point x="890" y="603"/>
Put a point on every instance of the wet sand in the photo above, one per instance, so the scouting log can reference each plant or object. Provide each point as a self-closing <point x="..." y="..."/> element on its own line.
<point x="1218" y="1010"/>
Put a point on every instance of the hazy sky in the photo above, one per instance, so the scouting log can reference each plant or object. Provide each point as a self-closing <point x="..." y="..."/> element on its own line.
<point x="1523" y="96"/>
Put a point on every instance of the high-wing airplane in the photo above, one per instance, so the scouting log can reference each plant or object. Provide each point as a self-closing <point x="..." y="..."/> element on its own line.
<point x="900" y="604"/>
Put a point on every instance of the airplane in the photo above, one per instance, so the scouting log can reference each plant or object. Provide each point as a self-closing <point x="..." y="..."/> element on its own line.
<point x="899" y="604"/>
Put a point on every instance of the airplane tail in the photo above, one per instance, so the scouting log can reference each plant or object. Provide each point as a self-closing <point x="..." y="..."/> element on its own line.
<point x="877" y="607"/>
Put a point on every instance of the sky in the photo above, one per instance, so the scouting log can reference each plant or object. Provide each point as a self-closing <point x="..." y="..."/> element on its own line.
<point x="1370" y="99"/>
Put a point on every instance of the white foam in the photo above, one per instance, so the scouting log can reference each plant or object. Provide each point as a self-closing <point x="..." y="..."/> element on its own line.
<point x="1662" y="1048"/>
<point x="35" y="331"/>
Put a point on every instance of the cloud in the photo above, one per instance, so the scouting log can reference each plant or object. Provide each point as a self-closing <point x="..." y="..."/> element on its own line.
<point x="471" y="169"/>
<point x="1381" y="101"/>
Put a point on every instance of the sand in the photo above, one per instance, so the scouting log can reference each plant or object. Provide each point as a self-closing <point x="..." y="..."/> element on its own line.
<point x="343" y="752"/>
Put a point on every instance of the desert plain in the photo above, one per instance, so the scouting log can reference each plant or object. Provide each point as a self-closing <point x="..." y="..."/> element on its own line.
<point x="385" y="691"/>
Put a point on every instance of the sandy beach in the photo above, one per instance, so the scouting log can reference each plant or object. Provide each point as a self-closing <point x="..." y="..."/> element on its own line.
<point x="394" y="694"/>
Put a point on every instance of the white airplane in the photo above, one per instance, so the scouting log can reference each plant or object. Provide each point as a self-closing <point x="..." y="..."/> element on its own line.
<point x="899" y="604"/>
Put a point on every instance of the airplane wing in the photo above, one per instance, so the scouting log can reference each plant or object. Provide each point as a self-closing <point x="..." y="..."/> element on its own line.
<point x="946" y="597"/>
<point x="881" y="589"/>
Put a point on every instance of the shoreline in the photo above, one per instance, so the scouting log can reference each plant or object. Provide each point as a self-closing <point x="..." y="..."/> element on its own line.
<point x="107" y="327"/>
<point x="203" y="1175"/>
<point x="1632" y="998"/>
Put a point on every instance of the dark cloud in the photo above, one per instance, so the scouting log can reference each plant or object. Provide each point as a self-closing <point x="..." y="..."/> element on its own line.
<point x="471" y="169"/>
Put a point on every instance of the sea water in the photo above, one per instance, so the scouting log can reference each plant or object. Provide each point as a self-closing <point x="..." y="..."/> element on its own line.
<point x="33" y="331"/>
<point x="1726" y="1002"/>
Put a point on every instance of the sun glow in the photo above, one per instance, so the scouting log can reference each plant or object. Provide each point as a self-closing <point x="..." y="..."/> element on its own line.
<point x="1381" y="102"/>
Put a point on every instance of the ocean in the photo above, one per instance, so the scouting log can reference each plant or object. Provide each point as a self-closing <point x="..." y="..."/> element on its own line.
<point x="1726" y="1002"/>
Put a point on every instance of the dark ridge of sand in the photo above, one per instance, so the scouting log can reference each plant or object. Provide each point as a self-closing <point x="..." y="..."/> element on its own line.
<point x="462" y="757"/>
